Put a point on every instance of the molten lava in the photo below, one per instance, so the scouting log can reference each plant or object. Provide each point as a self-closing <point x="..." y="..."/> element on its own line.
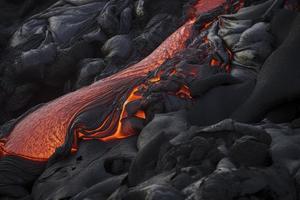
<point x="184" y="92"/>
<point x="41" y="132"/>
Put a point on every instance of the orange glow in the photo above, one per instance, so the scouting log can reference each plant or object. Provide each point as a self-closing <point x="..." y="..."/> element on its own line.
<point x="119" y="134"/>
<point x="202" y="6"/>
<point x="207" y="25"/>
<point x="40" y="133"/>
<point x="184" y="92"/>
<point x="2" y="143"/>
<point x="140" y="114"/>
<point x="155" y="79"/>
<point x="173" y="72"/>
<point x="82" y="135"/>
<point x="214" y="62"/>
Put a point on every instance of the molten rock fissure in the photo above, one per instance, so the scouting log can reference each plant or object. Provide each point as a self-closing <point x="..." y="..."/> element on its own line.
<point x="159" y="128"/>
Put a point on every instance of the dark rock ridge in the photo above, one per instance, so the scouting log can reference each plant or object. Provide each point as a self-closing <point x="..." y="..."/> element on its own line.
<point x="228" y="160"/>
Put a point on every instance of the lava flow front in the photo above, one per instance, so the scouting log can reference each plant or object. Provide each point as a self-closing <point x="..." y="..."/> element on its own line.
<point x="41" y="132"/>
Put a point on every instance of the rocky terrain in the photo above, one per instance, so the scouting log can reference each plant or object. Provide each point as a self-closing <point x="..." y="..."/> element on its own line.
<point x="146" y="99"/>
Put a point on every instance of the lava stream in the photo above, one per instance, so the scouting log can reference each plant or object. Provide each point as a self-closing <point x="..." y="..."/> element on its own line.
<point x="41" y="132"/>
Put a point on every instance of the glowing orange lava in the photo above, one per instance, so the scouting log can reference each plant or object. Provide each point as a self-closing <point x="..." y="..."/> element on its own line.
<point x="140" y="114"/>
<point x="119" y="134"/>
<point x="155" y="79"/>
<point x="38" y="135"/>
<point x="214" y="62"/>
<point x="184" y="92"/>
<point x="41" y="132"/>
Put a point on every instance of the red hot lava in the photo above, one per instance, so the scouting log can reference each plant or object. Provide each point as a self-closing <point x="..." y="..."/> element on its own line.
<point x="40" y="133"/>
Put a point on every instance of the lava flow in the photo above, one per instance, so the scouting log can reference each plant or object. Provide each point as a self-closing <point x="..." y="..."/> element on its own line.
<point x="41" y="132"/>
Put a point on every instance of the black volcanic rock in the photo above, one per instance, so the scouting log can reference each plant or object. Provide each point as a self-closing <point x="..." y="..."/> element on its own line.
<point x="271" y="89"/>
<point x="269" y="183"/>
<point x="21" y="96"/>
<point x="247" y="151"/>
<point x="9" y="187"/>
<point x="284" y="147"/>
<point x="191" y="166"/>
<point x="96" y="166"/>
<point x="108" y="19"/>
<point x="251" y="43"/>
<point x="168" y="124"/>
<point x="281" y="24"/>
<point x="117" y="49"/>
<point x="89" y="69"/>
<point x="158" y="28"/>
<point x="187" y="147"/>
<point x="154" y="192"/>
<point x="147" y="8"/>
